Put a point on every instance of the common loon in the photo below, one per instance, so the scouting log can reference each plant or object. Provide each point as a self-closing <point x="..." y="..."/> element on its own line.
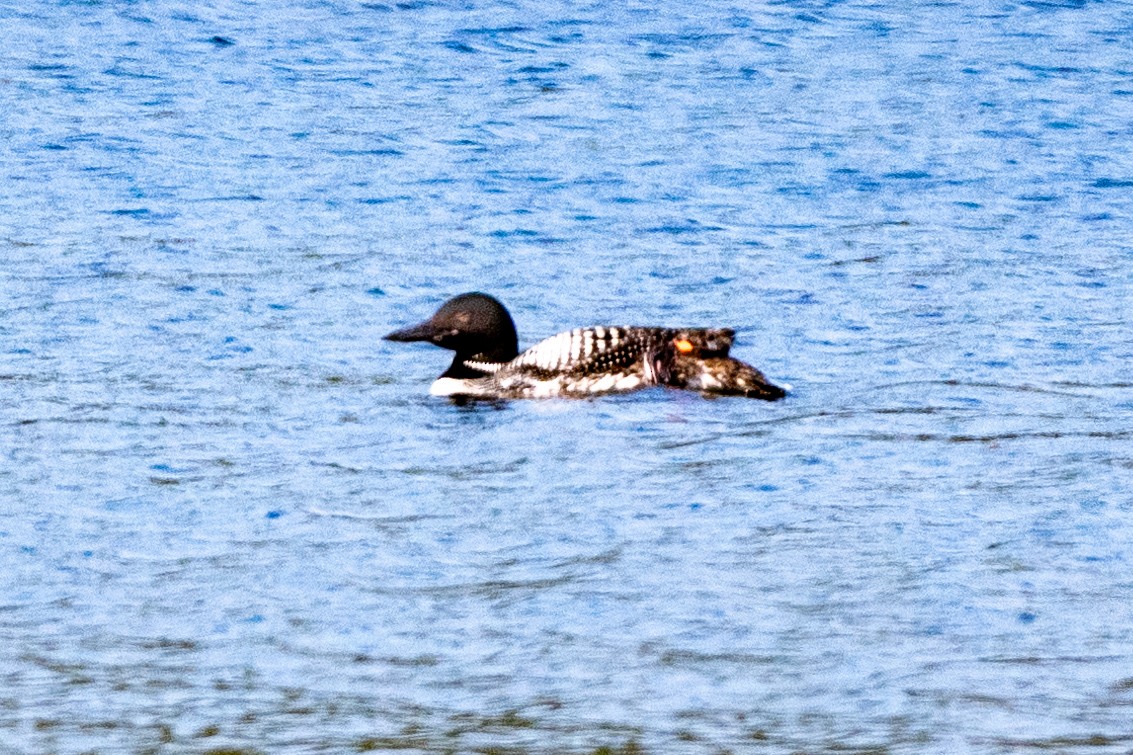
<point x="580" y="362"/>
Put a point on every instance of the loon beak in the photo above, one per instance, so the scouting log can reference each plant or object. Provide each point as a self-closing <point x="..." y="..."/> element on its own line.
<point x="423" y="331"/>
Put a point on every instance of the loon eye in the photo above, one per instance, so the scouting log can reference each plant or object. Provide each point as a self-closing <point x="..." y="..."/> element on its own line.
<point x="683" y="345"/>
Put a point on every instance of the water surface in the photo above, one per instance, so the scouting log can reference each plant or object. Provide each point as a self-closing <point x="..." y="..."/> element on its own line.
<point x="233" y="518"/>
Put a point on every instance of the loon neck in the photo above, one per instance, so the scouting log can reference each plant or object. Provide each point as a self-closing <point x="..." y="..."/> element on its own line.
<point x="460" y="370"/>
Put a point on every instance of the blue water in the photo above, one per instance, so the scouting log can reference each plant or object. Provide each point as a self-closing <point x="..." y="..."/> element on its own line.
<point x="232" y="518"/>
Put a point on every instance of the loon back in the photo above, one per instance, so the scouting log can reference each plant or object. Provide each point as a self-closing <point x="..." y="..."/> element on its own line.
<point x="596" y="360"/>
<point x="576" y="363"/>
<point x="585" y="351"/>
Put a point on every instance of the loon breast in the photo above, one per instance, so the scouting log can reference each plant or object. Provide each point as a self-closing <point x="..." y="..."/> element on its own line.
<point x="472" y="387"/>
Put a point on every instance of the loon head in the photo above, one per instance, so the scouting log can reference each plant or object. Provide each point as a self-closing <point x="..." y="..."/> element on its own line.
<point x="474" y="325"/>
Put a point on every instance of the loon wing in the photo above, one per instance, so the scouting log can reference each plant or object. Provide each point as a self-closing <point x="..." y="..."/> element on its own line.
<point x="586" y="351"/>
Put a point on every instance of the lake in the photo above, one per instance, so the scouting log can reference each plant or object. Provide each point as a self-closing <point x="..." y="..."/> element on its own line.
<point x="233" y="520"/>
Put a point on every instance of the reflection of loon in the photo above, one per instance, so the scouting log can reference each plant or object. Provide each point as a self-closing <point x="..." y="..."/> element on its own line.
<point x="580" y="362"/>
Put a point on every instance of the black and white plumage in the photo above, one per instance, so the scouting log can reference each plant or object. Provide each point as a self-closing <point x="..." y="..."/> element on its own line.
<point x="580" y="362"/>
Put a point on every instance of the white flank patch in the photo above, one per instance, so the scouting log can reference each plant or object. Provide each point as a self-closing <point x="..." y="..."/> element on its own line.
<point x="604" y="383"/>
<point x="630" y="382"/>
<point x="546" y="389"/>
<point x="447" y="386"/>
